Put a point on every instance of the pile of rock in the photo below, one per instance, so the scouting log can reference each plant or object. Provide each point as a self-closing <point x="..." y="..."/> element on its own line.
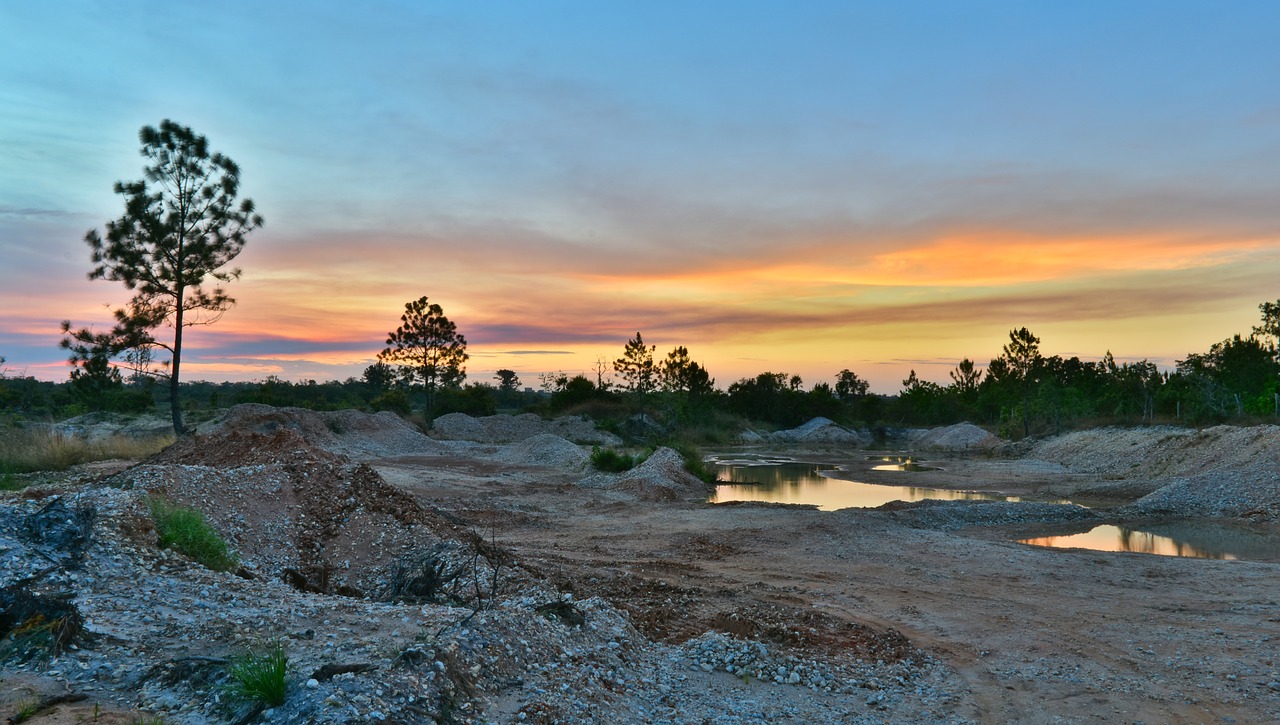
<point x="362" y="436"/>
<point x="958" y="437"/>
<point x="820" y="432"/>
<point x="513" y="428"/>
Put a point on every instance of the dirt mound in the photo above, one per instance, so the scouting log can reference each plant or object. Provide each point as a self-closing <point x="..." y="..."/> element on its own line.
<point x="510" y="429"/>
<point x="958" y="437"/>
<point x="662" y="477"/>
<point x="545" y="449"/>
<point x="362" y="436"/>
<point x="289" y="506"/>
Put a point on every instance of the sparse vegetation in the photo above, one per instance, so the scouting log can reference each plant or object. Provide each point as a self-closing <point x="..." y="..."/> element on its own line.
<point x="26" y="710"/>
<point x="186" y="531"/>
<point x="261" y="677"/>
<point x="8" y="479"/>
<point x="607" y="459"/>
<point x="23" y="450"/>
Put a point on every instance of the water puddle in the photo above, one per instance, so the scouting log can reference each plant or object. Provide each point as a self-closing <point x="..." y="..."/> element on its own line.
<point x="782" y="480"/>
<point x="1196" y="539"/>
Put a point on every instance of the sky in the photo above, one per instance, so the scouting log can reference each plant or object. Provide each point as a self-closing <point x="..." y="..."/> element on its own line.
<point x="777" y="186"/>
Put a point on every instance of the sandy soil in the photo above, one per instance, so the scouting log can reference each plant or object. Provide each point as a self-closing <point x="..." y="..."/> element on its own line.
<point x="1034" y="635"/>
<point x="997" y="631"/>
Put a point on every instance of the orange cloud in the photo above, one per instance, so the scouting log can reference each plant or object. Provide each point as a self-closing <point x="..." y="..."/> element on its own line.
<point x="989" y="258"/>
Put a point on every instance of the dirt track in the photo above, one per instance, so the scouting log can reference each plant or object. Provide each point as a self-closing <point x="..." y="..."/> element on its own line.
<point x="1034" y="635"/>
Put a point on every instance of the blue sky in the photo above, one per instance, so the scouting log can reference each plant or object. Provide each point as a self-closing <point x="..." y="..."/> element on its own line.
<point x="798" y="187"/>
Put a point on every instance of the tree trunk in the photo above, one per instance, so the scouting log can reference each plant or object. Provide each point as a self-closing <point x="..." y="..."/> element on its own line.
<point x="175" y="405"/>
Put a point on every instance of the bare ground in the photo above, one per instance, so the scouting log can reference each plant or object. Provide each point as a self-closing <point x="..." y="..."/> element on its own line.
<point x="877" y="615"/>
<point x="1033" y="635"/>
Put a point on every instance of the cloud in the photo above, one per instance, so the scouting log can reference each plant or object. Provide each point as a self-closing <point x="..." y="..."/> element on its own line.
<point x="31" y="212"/>
<point x="534" y="352"/>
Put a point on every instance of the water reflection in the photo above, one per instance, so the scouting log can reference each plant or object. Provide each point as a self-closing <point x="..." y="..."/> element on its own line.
<point x="907" y="465"/>
<point x="1197" y="539"/>
<point x="785" y="481"/>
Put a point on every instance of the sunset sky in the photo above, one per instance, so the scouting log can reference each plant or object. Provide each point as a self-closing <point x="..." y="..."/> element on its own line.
<point x="780" y="186"/>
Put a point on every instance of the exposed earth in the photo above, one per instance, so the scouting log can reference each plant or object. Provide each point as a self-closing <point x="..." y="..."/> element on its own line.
<point x="561" y="594"/>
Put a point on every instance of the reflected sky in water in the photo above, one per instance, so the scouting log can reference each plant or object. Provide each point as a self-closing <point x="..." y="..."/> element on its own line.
<point x="779" y="481"/>
<point x="1197" y="539"/>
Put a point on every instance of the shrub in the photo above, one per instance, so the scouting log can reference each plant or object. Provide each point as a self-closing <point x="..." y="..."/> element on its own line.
<point x="607" y="459"/>
<point x="261" y="678"/>
<point x="186" y="531"/>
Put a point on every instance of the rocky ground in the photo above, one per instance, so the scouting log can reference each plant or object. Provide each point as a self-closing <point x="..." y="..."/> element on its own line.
<point x="486" y="574"/>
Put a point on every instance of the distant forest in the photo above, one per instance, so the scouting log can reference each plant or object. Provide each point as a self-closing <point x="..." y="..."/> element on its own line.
<point x="1022" y="392"/>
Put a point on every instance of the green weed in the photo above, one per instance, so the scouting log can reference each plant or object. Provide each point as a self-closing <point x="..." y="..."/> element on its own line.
<point x="25" y="712"/>
<point x="607" y="459"/>
<point x="186" y="531"/>
<point x="261" y="678"/>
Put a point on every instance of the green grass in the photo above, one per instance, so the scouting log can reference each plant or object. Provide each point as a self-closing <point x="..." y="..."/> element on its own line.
<point x="607" y="459"/>
<point x="9" y="479"/>
<point x="186" y="531"/>
<point x="25" y="712"/>
<point x="261" y="678"/>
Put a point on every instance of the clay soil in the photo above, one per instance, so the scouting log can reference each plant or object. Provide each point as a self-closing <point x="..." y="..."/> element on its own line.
<point x="1033" y="635"/>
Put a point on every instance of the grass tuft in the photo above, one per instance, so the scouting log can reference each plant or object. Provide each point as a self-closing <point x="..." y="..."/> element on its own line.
<point x="607" y="459"/>
<point x="261" y="678"/>
<point x="25" y="712"/>
<point x="23" y="450"/>
<point x="186" y="531"/>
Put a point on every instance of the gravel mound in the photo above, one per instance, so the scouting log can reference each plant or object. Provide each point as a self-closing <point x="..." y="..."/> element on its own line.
<point x="547" y="450"/>
<point x="509" y="429"/>
<point x="98" y="426"/>
<point x="1253" y="494"/>
<point x="1223" y="471"/>
<point x="958" y="437"/>
<point x="951" y="515"/>
<point x="819" y="431"/>
<point x="662" y="477"/>
<point x="362" y="436"/>
<point x="286" y="505"/>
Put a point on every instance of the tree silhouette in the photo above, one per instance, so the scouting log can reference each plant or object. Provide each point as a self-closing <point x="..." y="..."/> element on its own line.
<point x="679" y="374"/>
<point x="849" y="387"/>
<point x="428" y="347"/>
<point x="636" y="366"/>
<point x="965" y="379"/>
<point x="1022" y="361"/>
<point x="508" y="381"/>
<point x="181" y="225"/>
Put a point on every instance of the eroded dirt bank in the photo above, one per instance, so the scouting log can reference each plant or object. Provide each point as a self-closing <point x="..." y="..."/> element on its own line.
<point x="583" y="597"/>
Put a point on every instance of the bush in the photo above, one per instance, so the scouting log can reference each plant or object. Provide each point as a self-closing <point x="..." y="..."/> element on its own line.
<point x="186" y="531"/>
<point x="261" y="678"/>
<point x="396" y="401"/>
<point x="607" y="459"/>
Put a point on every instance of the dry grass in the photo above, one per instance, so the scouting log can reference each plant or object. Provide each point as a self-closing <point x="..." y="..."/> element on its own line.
<point x="23" y="450"/>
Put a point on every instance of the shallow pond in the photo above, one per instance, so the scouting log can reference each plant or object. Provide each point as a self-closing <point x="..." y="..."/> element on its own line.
<point x="783" y="480"/>
<point x="1197" y="539"/>
<point x="780" y="480"/>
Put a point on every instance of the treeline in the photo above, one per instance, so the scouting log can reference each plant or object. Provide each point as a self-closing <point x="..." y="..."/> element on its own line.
<point x="1021" y="392"/>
